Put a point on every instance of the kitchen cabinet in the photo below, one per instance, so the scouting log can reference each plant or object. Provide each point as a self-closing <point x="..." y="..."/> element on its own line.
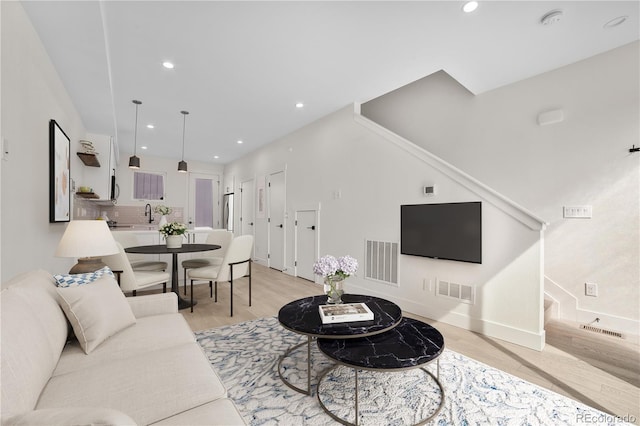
<point x="198" y="236"/>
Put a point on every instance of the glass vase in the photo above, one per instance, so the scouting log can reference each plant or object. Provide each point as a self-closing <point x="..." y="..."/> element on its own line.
<point x="333" y="288"/>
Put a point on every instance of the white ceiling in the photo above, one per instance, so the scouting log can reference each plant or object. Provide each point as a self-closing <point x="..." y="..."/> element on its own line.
<point x="240" y="67"/>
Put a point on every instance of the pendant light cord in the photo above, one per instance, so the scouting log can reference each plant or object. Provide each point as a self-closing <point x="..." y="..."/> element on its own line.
<point x="184" y="125"/>
<point x="135" y="130"/>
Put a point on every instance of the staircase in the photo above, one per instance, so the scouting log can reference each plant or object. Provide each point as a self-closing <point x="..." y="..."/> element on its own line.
<point x="550" y="309"/>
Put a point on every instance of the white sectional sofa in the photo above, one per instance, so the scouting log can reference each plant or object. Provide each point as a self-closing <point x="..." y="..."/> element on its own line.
<point x="150" y="371"/>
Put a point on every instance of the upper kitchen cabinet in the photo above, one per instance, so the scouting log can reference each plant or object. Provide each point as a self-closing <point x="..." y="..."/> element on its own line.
<point x="96" y="167"/>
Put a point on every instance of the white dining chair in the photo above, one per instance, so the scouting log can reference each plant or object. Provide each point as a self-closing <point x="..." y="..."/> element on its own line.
<point x="139" y="262"/>
<point x="221" y="237"/>
<point x="131" y="280"/>
<point x="236" y="264"/>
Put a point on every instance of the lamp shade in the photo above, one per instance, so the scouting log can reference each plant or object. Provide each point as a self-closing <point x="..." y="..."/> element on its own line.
<point x="86" y="238"/>
<point x="134" y="162"/>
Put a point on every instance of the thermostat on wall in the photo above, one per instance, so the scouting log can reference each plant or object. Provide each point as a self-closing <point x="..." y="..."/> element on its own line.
<point x="429" y="190"/>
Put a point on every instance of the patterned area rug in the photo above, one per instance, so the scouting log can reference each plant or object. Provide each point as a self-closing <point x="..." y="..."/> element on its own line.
<point x="246" y="357"/>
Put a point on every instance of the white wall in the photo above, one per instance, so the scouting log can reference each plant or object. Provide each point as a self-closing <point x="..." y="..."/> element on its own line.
<point x="32" y="94"/>
<point x="374" y="177"/>
<point x="583" y="160"/>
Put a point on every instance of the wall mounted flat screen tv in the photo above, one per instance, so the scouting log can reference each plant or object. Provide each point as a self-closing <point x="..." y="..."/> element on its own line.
<point x="451" y="231"/>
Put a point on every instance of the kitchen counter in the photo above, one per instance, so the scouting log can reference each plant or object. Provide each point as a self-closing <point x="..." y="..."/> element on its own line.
<point x="150" y="227"/>
<point x="134" y="227"/>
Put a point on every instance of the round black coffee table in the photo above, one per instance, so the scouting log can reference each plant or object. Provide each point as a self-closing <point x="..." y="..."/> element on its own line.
<point x="302" y="317"/>
<point x="411" y="344"/>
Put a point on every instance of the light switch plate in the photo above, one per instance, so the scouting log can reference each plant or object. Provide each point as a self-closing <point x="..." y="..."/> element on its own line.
<point x="577" y="212"/>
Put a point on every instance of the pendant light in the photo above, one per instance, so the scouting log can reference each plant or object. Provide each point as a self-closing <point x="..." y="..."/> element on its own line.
<point x="134" y="161"/>
<point x="182" y="165"/>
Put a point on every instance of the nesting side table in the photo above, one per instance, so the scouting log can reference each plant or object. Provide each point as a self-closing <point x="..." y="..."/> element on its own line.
<point x="411" y="344"/>
<point x="302" y="317"/>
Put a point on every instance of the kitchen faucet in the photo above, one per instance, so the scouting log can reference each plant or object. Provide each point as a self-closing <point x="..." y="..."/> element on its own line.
<point x="147" y="210"/>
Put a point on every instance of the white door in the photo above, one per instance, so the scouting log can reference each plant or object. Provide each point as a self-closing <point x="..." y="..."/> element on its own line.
<point x="204" y="201"/>
<point x="306" y="243"/>
<point x="247" y="215"/>
<point x="261" y="226"/>
<point x="276" y="194"/>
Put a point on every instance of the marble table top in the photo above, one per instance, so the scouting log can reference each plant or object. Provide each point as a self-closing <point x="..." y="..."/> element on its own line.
<point x="410" y="344"/>
<point x="302" y="316"/>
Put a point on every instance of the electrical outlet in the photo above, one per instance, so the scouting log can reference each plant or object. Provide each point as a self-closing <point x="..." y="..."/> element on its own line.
<point x="426" y="285"/>
<point x="591" y="289"/>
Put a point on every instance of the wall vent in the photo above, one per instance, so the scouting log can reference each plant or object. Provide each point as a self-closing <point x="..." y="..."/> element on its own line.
<point x="462" y="292"/>
<point x="601" y="330"/>
<point x="381" y="261"/>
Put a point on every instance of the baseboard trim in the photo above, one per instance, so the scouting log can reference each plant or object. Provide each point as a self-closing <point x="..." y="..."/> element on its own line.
<point x="569" y="310"/>
<point x="528" y="339"/>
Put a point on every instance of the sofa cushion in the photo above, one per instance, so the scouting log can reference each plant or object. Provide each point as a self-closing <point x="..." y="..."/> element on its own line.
<point x="148" y="334"/>
<point x="148" y="387"/>
<point x="96" y="311"/>
<point x="219" y="412"/>
<point x="74" y="280"/>
<point x="95" y="416"/>
<point x="34" y="331"/>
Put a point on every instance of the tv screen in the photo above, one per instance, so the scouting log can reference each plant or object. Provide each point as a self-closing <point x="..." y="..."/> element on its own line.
<point x="451" y="231"/>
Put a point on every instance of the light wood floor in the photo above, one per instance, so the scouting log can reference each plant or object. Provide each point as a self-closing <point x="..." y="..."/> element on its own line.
<point x="600" y="371"/>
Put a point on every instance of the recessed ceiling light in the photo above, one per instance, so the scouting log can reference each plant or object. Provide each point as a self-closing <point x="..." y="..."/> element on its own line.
<point x="168" y="65"/>
<point x="615" y="22"/>
<point x="240" y="141"/>
<point x="216" y="156"/>
<point x="470" y="6"/>
<point x="150" y="126"/>
<point x="143" y="147"/>
<point x="299" y="105"/>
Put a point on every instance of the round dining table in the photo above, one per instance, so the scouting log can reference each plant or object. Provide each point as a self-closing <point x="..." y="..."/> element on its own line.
<point x="163" y="249"/>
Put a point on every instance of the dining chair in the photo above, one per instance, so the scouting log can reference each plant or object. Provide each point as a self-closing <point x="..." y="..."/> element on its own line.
<point x="221" y="237"/>
<point x="131" y="280"/>
<point x="236" y="264"/>
<point x="139" y="262"/>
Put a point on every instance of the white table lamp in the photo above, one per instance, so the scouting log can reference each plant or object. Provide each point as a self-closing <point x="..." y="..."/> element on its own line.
<point x="87" y="240"/>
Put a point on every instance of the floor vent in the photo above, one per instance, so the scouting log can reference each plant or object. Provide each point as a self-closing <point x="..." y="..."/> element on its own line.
<point x="601" y="330"/>
<point x="381" y="261"/>
<point x="462" y="292"/>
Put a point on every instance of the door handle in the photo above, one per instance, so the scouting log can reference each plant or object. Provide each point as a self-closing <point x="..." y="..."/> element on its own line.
<point x="312" y="227"/>
<point x="250" y="223"/>
<point x="280" y="226"/>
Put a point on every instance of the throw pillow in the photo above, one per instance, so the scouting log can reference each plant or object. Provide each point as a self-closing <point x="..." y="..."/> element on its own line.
<point x="96" y="311"/>
<point x="74" y="280"/>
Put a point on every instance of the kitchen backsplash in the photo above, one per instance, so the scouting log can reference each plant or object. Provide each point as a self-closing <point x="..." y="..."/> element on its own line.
<point x="123" y="215"/>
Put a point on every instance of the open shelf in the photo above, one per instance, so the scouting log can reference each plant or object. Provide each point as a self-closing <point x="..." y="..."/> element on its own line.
<point x="90" y="160"/>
